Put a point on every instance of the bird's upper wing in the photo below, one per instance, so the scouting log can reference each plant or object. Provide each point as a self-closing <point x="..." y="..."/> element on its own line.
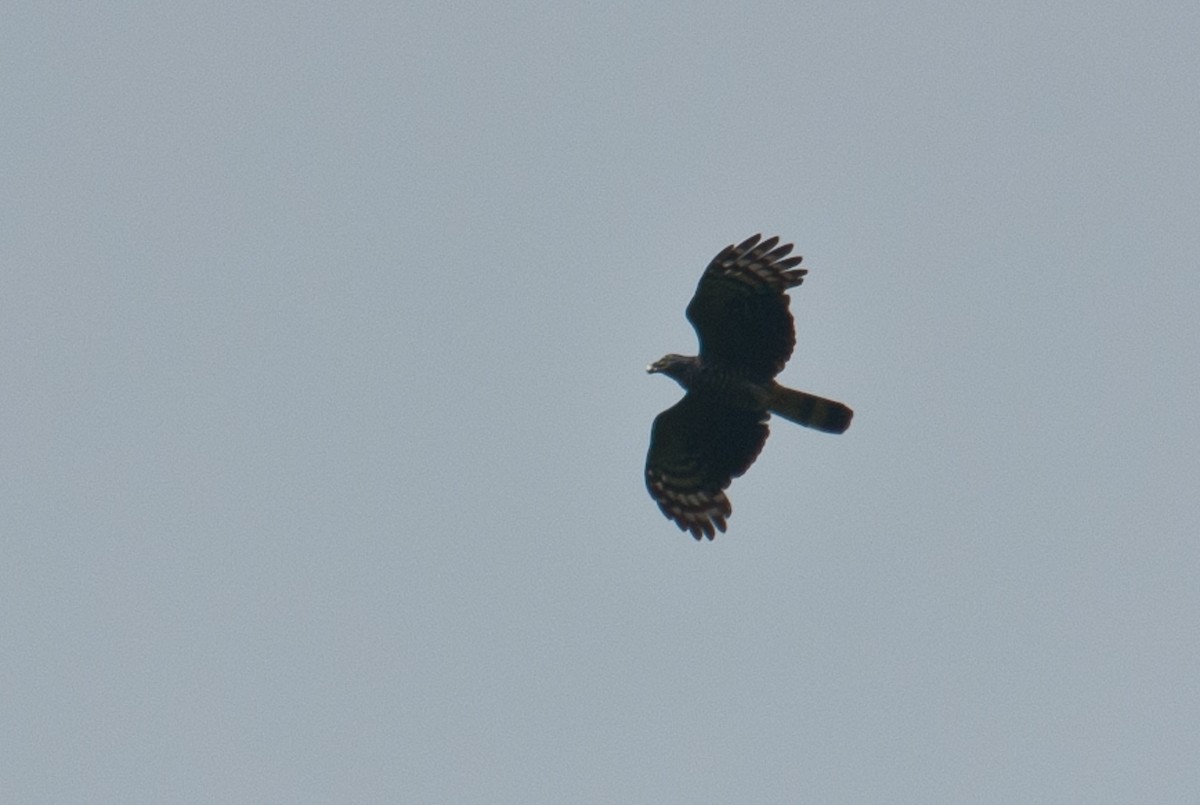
<point x="697" y="447"/>
<point x="740" y="308"/>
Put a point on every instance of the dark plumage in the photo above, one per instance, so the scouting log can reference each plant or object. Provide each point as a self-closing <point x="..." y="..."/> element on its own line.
<point x="711" y="436"/>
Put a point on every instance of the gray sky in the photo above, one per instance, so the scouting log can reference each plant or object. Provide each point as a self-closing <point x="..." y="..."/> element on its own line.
<point x="323" y="409"/>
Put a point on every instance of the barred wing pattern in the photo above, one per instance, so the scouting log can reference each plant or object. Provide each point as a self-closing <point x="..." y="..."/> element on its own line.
<point x="697" y="447"/>
<point x="740" y="308"/>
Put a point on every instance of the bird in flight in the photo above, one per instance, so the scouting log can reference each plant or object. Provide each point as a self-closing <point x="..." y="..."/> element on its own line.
<point x="711" y="436"/>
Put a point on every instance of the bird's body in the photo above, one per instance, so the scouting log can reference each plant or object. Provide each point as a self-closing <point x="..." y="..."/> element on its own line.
<point x="713" y="435"/>
<point x="729" y="387"/>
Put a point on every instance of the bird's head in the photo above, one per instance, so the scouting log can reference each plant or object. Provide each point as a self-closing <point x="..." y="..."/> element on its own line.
<point x="677" y="367"/>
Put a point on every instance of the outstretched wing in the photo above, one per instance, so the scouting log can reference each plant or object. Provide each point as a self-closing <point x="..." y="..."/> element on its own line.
<point x="740" y="308"/>
<point x="697" y="447"/>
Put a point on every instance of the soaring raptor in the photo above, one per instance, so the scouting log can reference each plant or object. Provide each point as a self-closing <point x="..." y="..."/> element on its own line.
<point x="711" y="436"/>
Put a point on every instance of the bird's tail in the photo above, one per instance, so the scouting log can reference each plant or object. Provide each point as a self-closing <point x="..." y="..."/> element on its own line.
<point x="810" y="410"/>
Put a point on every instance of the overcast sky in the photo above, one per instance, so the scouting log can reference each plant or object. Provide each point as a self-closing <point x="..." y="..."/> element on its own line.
<point x="323" y="407"/>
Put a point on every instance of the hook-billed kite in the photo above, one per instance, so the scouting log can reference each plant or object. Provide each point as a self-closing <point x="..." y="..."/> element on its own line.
<point x="711" y="436"/>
